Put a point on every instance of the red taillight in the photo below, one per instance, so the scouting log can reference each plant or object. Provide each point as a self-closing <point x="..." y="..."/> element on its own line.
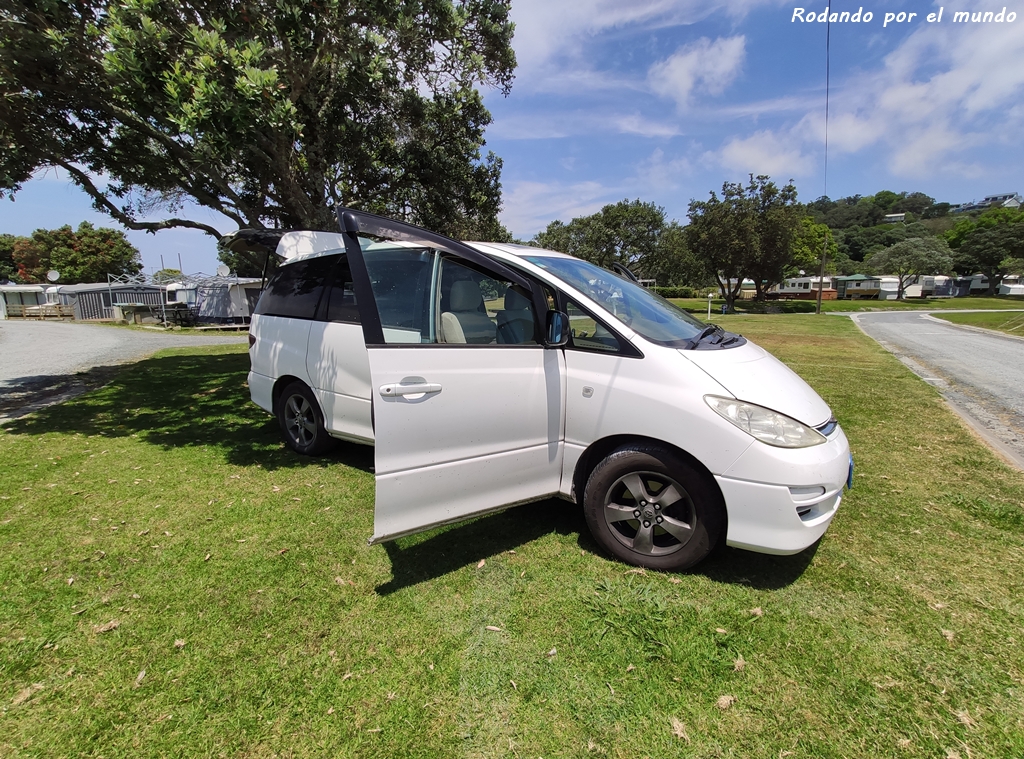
<point x="252" y="339"/>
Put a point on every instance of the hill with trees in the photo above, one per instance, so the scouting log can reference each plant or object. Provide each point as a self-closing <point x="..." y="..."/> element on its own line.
<point x="760" y="232"/>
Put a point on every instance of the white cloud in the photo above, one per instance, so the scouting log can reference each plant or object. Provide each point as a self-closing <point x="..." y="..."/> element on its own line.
<point x="635" y="123"/>
<point x="944" y="91"/>
<point x="530" y="206"/>
<point x="765" y="152"/>
<point x="701" y="66"/>
<point x="552" y="36"/>
<point x="660" y="173"/>
<point x="539" y="125"/>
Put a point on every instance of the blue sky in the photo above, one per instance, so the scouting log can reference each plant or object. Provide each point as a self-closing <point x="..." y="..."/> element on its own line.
<point x="663" y="100"/>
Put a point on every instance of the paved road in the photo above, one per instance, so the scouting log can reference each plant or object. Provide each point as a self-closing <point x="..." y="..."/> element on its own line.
<point x="980" y="372"/>
<point x="44" y="362"/>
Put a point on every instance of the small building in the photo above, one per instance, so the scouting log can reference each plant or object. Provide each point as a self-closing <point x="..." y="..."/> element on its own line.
<point x="95" y="301"/>
<point x="14" y="299"/>
<point x="748" y="290"/>
<point x="889" y="288"/>
<point x="856" y="287"/>
<point x="894" y="218"/>
<point x="806" y="288"/>
<point x="217" y="299"/>
<point x="1000" y="200"/>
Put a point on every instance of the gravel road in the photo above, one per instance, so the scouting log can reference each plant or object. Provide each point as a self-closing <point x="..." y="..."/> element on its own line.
<point x="979" y="371"/>
<point x="45" y="362"/>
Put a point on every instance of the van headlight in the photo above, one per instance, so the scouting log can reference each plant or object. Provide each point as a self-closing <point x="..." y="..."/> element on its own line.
<point x="766" y="425"/>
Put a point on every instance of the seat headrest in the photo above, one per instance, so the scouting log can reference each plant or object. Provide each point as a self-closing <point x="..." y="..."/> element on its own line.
<point x="465" y="296"/>
<point x="515" y="301"/>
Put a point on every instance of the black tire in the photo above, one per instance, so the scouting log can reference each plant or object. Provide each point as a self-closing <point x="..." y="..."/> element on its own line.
<point x="649" y="507"/>
<point x="302" y="421"/>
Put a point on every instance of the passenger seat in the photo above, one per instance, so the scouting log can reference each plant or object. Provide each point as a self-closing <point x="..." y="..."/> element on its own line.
<point x="515" y="323"/>
<point x="467" y="321"/>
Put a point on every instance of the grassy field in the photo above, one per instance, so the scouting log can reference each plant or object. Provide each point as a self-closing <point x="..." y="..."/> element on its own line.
<point x="700" y="306"/>
<point x="1010" y="323"/>
<point x="174" y="583"/>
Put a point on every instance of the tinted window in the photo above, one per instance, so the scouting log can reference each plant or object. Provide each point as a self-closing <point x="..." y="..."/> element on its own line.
<point x="400" y="278"/>
<point x="341" y="300"/>
<point x="295" y="289"/>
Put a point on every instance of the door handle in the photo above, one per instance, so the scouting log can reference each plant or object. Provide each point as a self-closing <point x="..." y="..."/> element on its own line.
<point x="420" y="388"/>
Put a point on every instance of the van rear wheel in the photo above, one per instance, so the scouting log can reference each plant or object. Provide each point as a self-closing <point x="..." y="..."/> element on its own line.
<point x="649" y="507"/>
<point x="302" y="422"/>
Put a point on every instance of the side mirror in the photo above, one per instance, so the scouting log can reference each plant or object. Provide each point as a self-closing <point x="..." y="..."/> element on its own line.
<point x="557" y="329"/>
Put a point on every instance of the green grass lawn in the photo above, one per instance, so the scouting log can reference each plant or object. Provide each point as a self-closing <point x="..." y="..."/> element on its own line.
<point x="700" y="306"/>
<point x="1010" y="323"/>
<point x="173" y="582"/>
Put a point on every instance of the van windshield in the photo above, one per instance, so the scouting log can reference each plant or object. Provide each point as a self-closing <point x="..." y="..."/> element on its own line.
<point x="638" y="308"/>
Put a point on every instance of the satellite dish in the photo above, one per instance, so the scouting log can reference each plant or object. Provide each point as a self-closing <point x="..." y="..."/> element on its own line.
<point x="223" y="271"/>
<point x="53" y="275"/>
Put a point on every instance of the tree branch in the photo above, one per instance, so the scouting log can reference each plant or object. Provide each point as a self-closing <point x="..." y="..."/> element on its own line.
<point x="103" y="203"/>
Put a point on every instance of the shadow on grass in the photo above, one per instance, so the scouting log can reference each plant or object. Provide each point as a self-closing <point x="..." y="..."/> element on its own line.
<point x="435" y="554"/>
<point x="197" y="400"/>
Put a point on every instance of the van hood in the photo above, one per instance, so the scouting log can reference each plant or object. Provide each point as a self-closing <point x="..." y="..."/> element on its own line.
<point x="752" y="374"/>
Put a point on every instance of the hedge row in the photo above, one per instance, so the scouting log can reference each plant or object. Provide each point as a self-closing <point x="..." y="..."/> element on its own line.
<point x="676" y="292"/>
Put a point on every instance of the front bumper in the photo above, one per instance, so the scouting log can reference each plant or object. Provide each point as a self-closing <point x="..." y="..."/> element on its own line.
<point x="781" y="501"/>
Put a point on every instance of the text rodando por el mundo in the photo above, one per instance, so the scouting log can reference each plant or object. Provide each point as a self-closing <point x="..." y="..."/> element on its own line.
<point x="862" y="16"/>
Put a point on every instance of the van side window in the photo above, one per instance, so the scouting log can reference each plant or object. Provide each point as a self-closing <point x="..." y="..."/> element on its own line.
<point x="478" y="309"/>
<point x="428" y="298"/>
<point x="400" y="278"/>
<point x="295" y="289"/>
<point x="341" y="300"/>
<point x="588" y="334"/>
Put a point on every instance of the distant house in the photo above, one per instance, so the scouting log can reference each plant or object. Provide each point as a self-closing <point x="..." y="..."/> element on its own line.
<point x="1011" y="288"/>
<point x="894" y="218"/>
<point x="856" y="287"/>
<point x="1004" y="200"/>
<point x="217" y="299"/>
<point x="805" y="288"/>
<point x="95" y="301"/>
<point x="14" y="299"/>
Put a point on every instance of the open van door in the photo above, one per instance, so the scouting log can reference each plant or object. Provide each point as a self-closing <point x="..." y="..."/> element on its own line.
<point x="468" y="403"/>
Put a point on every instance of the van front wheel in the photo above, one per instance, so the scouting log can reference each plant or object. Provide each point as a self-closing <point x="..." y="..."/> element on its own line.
<point x="301" y="421"/>
<point x="649" y="507"/>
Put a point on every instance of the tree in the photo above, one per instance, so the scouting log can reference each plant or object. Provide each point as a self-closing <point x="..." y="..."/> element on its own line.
<point x="627" y="233"/>
<point x="721" y="233"/>
<point x="776" y="218"/>
<point x="809" y="242"/>
<point x="914" y="257"/>
<point x="83" y="255"/>
<point x="748" y="233"/>
<point x="984" y="242"/>
<point x="916" y="203"/>
<point x="8" y="269"/>
<point x="676" y="263"/>
<point x="269" y="112"/>
<point x="992" y="251"/>
<point x="167" y="275"/>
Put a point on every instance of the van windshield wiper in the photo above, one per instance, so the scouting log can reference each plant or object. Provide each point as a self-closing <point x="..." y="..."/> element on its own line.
<point x="708" y="331"/>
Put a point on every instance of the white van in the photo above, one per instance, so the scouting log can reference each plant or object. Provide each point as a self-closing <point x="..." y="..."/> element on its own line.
<point x="489" y="375"/>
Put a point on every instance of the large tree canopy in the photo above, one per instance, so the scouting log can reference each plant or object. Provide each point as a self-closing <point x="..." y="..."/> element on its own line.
<point x="269" y="112"/>
<point x="749" y="232"/>
<point x="913" y="257"/>
<point x="627" y="233"/>
<point x="86" y="254"/>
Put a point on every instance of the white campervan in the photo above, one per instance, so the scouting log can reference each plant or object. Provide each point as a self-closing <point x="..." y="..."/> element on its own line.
<point x="489" y="375"/>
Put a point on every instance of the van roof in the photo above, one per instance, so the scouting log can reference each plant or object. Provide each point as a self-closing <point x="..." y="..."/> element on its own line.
<point x="298" y="245"/>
